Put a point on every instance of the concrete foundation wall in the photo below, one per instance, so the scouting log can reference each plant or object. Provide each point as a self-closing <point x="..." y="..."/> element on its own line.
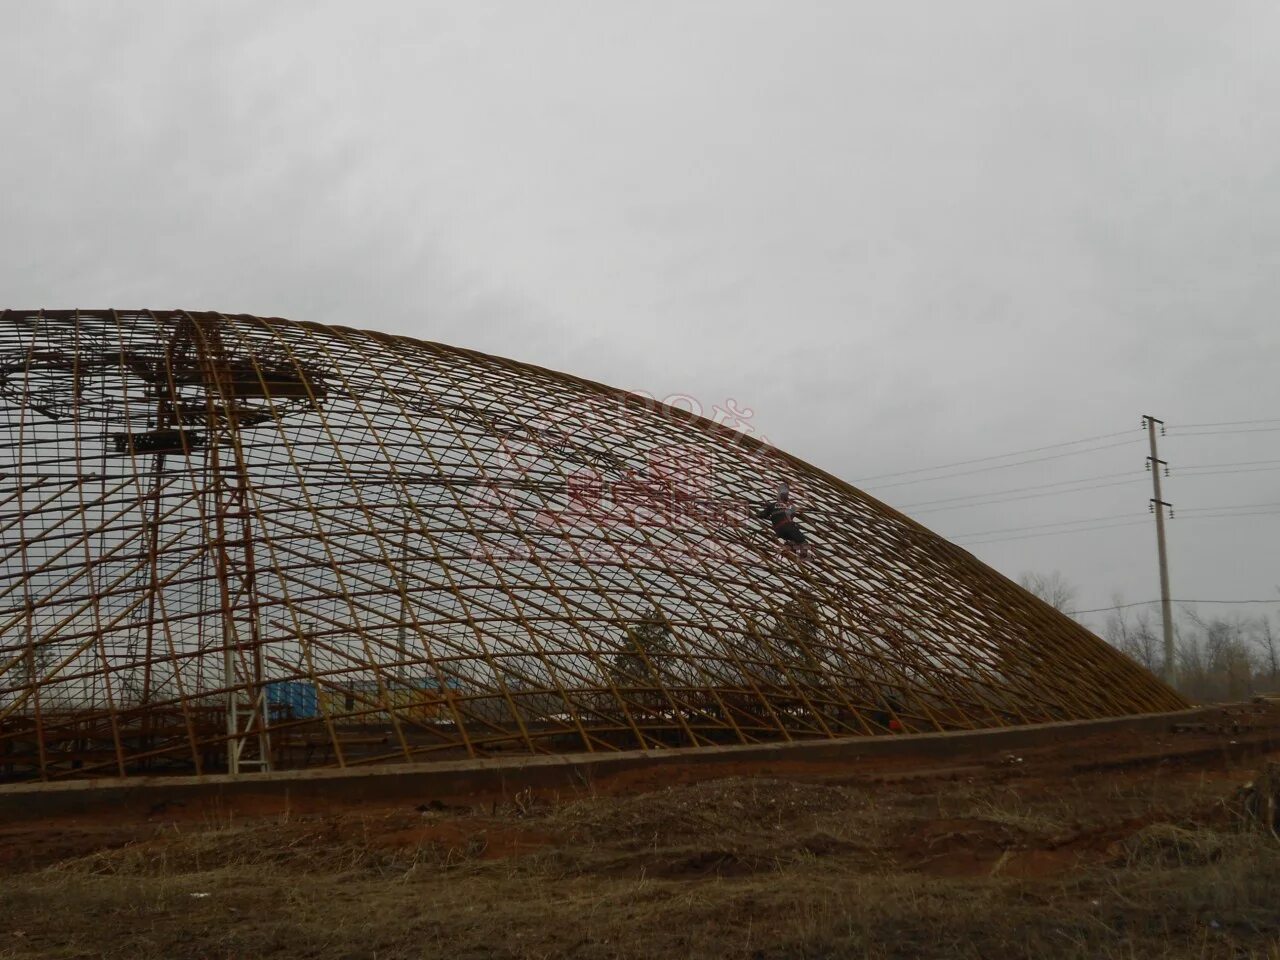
<point x="472" y="781"/>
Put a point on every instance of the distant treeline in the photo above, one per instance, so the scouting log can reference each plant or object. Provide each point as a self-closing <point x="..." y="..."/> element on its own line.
<point x="1216" y="657"/>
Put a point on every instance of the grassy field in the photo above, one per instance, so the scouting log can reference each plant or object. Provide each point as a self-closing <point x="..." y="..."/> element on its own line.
<point x="1002" y="863"/>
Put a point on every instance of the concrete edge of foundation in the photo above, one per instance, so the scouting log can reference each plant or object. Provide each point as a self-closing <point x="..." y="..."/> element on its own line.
<point x="467" y="780"/>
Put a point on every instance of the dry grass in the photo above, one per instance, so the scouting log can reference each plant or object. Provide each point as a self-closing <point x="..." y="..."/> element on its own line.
<point x="743" y="868"/>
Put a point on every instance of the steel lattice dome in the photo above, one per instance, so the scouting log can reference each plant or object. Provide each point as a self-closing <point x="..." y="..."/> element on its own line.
<point x="239" y="543"/>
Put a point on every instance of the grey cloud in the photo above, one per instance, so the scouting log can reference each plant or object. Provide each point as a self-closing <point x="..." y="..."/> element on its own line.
<point x="901" y="234"/>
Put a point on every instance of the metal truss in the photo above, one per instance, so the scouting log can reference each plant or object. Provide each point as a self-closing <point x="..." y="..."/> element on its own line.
<point x="233" y="543"/>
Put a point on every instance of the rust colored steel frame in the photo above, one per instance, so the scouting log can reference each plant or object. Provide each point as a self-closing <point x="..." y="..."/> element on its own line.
<point x="230" y="542"/>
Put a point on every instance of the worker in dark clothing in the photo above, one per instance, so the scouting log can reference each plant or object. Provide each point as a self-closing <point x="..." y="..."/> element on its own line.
<point x="782" y="513"/>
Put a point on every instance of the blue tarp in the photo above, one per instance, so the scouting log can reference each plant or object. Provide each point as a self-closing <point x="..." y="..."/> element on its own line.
<point x="298" y="697"/>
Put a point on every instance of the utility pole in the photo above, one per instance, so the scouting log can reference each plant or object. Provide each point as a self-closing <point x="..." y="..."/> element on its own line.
<point x="1158" y="504"/>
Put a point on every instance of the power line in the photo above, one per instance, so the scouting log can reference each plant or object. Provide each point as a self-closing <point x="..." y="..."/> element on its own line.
<point x="1041" y="526"/>
<point x="1211" y="516"/>
<point x="1142" y="603"/>
<point x="1219" y="473"/>
<point x="1182" y="429"/>
<point x="1214" y="466"/>
<point x="1036" y="486"/>
<point x="1103" y="526"/>
<point x="1175" y="432"/>
<point x="1054" y="533"/>
<point x="1196" y="515"/>
<point x="1233" y="506"/>
<point x="961" y="538"/>
<point x="1001" y="456"/>
<point x="991" y="497"/>
<point x="1002" y="466"/>
<point x="1222" y="423"/>
<point x="1029" y="496"/>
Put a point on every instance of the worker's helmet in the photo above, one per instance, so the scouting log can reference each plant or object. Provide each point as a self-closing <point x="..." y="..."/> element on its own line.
<point x="784" y="492"/>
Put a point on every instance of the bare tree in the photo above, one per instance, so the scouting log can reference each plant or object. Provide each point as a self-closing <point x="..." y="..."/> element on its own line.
<point x="1052" y="588"/>
<point x="1269" y="642"/>
<point x="1134" y="635"/>
<point x="1216" y="660"/>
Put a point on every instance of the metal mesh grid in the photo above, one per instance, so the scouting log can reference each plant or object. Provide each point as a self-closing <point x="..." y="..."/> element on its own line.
<point x="236" y="543"/>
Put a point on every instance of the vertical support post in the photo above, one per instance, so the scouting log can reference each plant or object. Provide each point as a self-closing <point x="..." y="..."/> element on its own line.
<point x="243" y="674"/>
<point x="1158" y="504"/>
<point x="402" y="632"/>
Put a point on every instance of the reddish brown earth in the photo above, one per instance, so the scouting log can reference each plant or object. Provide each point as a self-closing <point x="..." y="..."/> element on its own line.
<point x="1115" y="845"/>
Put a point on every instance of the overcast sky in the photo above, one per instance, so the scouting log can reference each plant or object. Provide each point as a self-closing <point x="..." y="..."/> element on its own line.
<point x="902" y="234"/>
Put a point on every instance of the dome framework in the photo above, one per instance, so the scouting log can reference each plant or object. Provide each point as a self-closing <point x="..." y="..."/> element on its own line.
<point x="234" y="543"/>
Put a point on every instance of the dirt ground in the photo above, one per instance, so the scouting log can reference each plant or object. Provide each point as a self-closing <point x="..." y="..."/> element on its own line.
<point x="1120" y="846"/>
